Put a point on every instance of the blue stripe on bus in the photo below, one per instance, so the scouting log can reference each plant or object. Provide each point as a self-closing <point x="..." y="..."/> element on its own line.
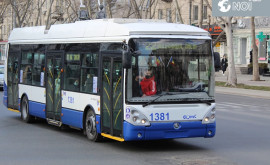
<point x="75" y="119"/>
<point x="98" y="125"/>
<point x="167" y="131"/>
<point x="5" y="96"/>
<point x="37" y="109"/>
<point x="19" y="103"/>
<point x="72" y="118"/>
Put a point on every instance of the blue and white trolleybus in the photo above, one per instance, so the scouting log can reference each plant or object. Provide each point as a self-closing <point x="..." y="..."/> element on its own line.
<point x="123" y="79"/>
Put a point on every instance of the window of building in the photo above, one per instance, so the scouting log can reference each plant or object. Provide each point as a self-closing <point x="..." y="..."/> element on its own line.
<point x="195" y="12"/>
<point x="160" y="14"/>
<point x="204" y="12"/>
<point x="169" y="15"/>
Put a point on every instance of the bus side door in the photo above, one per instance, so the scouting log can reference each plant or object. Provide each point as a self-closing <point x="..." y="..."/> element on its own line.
<point x="13" y="80"/>
<point x="111" y="94"/>
<point x="54" y="76"/>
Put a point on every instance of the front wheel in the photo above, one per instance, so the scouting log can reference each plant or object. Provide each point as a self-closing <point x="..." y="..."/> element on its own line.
<point x="26" y="117"/>
<point x="90" y="127"/>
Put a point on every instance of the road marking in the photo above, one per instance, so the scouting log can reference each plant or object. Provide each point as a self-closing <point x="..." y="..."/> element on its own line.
<point x="237" y="107"/>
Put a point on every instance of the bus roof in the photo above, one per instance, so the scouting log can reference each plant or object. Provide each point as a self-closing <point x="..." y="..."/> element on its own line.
<point x="101" y="30"/>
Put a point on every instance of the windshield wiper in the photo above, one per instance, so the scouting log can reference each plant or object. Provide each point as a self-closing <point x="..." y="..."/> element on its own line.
<point x="201" y="101"/>
<point x="148" y="103"/>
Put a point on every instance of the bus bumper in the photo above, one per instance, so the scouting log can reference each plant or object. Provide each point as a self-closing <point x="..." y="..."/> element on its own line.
<point x="158" y="131"/>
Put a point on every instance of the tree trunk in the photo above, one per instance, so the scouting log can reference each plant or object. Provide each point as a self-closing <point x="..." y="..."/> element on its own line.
<point x="48" y="21"/>
<point x="109" y="7"/>
<point x="232" y="78"/>
<point x="179" y="11"/>
<point x="256" y="76"/>
<point x="136" y="8"/>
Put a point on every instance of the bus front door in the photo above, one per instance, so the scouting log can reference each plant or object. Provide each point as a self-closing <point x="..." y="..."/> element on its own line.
<point x="111" y="95"/>
<point x="53" y="87"/>
<point x="13" y="80"/>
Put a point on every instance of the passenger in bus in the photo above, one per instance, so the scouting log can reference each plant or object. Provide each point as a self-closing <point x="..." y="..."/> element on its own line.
<point x="88" y="84"/>
<point x="76" y="85"/>
<point x="27" y="75"/>
<point x="148" y="84"/>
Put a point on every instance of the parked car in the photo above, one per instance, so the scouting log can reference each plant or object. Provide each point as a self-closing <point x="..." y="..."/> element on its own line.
<point x="1" y="76"/>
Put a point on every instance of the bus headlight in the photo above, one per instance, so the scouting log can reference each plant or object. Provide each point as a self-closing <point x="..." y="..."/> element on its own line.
<point x="210" y="117"/>
<point x="137" y="118"/>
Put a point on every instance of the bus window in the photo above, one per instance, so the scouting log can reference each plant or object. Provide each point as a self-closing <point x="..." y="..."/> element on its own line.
<point x="89" y="72"/>
<point x="72" y="72"/>
<point x="38" y="65"/>
<point x="26" y="67"/>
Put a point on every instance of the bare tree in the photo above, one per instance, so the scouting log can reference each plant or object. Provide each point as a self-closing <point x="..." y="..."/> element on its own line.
<point x="256" y="76"/>
<point x="40" y="4"/>
<point x="48" y="20"/>
<point x="227" y="28"/>
<point x="91" y="6"/>
<point x="3" y="7"/>
<point x="232" y="78"/>
<point x="179" y="11"/>
<point x="136" y="8"/>
<point x="21" y="9"/>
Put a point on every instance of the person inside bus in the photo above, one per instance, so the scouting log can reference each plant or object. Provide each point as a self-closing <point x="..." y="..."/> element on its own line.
<point x="76" y="85"/>
<point x="148" y="84"/>
<point x="88" y="85"/>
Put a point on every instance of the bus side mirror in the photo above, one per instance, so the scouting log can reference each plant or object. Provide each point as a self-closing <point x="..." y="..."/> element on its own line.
<point x="217" y="61"/>
<point x="126" y="59"/>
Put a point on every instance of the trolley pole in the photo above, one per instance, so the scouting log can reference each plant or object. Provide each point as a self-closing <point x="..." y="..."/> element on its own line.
<point x="83" y="13"/>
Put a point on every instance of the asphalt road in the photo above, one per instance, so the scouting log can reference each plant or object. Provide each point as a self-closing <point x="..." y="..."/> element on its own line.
<point x="243" y="138"/>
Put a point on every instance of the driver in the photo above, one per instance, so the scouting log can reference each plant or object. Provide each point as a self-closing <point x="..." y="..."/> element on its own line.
<point x="148" y="84"/>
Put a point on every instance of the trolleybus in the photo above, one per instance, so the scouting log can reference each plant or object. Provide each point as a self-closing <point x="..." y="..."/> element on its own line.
<point x="94" y="75"/>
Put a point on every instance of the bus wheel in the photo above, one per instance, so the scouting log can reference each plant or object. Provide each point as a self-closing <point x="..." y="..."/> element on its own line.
<point x="26" y="117"/>
<point x="90" y="126"/>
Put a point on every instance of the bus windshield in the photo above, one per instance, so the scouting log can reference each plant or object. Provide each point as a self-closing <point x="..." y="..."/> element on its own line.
<point x="176" y="69"/>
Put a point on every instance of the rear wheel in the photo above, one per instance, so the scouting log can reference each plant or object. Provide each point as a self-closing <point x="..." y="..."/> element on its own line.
<point x="90" y="127"/>
<point x="26" y="117"/>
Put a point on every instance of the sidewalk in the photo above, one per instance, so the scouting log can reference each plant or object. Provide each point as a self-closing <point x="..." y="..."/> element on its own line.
<point x="247" y="80"/>
<point x="244" y="79"/>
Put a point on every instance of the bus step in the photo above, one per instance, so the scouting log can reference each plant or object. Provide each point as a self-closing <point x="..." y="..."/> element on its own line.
<point x="54" y="122"/>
